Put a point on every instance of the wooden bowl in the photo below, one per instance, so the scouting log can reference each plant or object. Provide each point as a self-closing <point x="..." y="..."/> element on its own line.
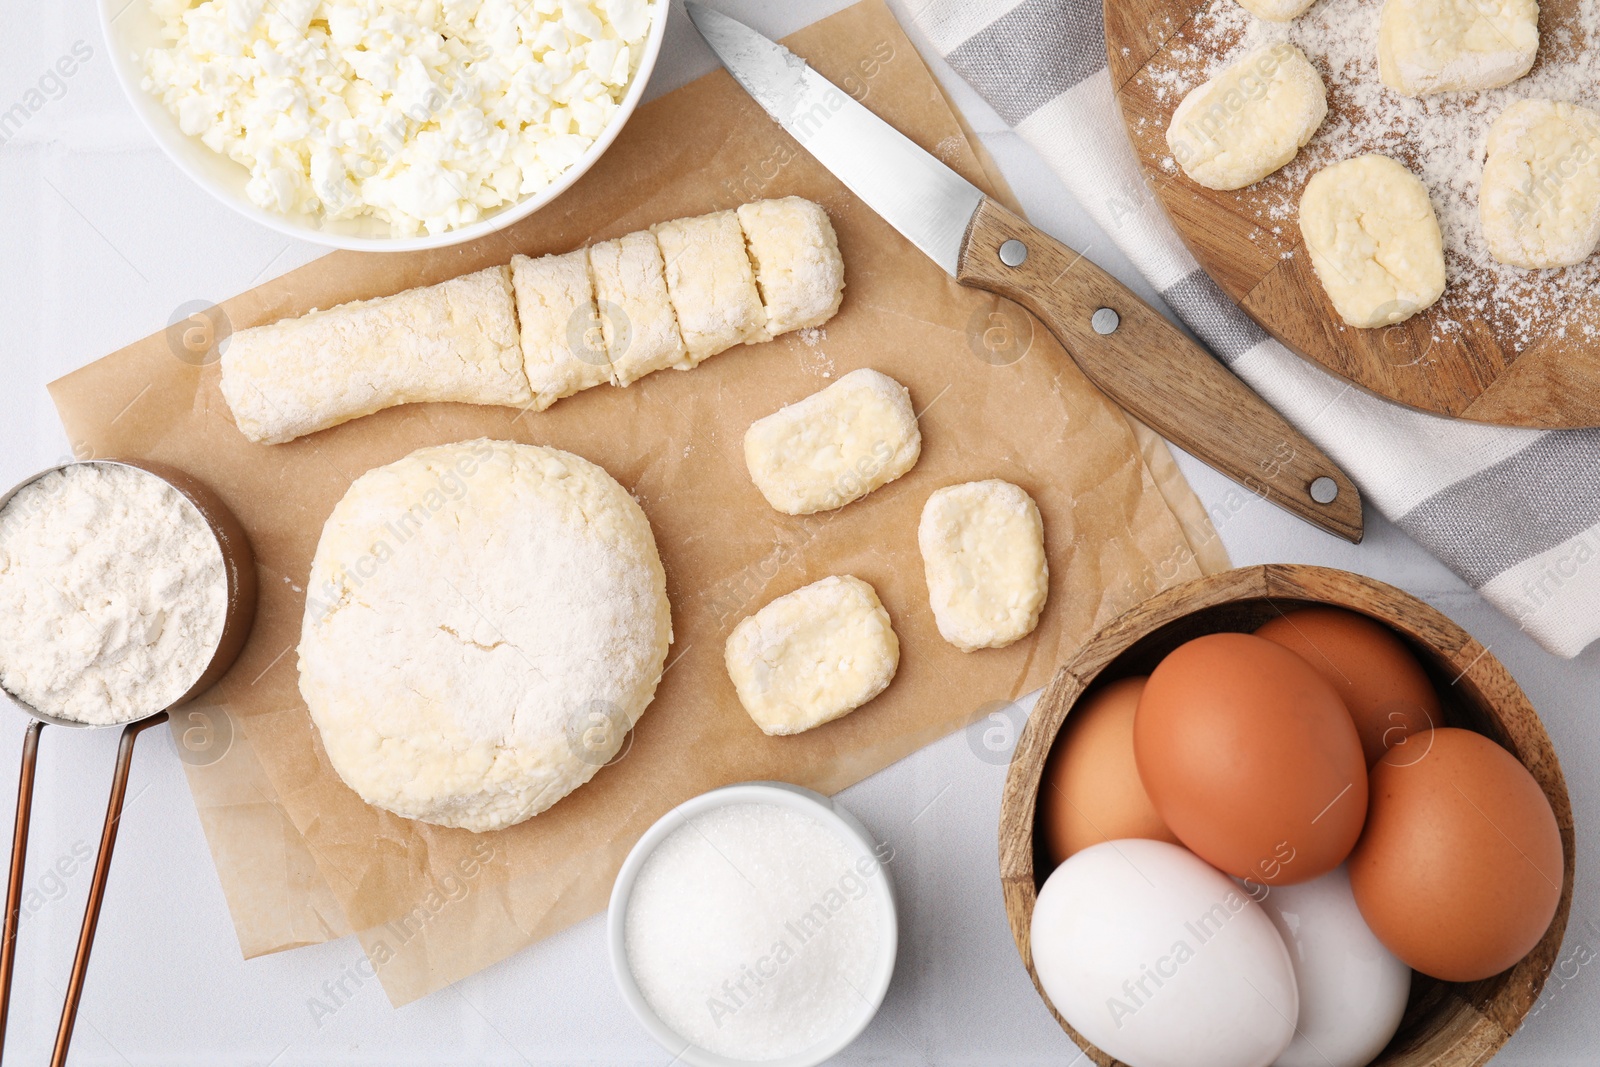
<point x="1445" y="1023"/>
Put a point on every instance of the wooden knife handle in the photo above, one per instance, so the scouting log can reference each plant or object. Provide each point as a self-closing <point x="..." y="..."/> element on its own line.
<point x="1155" y="371"/>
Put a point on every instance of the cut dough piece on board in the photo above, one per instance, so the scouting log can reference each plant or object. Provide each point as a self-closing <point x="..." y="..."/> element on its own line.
<point x="1250" y="119"/>
<point x="983" y="554"/>
<point x="636" y="317"/>
<point x="1277" y="10"/>
<point x="484" y="623"/>
<point x="1540" y="195"/>
<point x="835" y="446"/>
<point x="812" y="655"/>
<point x="711" y="282"/>
<point x="796" y="256"/>
<point x="455" y="341"/>
<point x="1373" y="239"/>
<point x="563" y="346"/>
<point x="1436" y="46"/>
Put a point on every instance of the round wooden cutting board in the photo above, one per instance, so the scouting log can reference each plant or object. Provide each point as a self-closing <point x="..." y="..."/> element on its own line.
<point x="1459" y="357"/>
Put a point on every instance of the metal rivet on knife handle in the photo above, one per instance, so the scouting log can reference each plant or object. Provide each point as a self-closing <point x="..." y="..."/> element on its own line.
<point x="1324" y="490"/>
<point x="1105" y="321"/>
<point x="1013" y="253"/>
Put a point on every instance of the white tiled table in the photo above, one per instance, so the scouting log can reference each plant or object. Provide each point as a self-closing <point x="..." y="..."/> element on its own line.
<point x="103" y="238"/>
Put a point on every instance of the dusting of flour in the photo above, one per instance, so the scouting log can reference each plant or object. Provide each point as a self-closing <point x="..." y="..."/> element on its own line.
<point x="1440" y="138"/>
<point x="113" y="594"/>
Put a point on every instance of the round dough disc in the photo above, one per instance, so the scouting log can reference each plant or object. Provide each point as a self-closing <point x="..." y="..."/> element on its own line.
<point x="484" y="623"/>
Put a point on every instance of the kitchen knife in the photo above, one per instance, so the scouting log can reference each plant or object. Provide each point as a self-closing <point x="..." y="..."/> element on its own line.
<point x="1121" y="344"/>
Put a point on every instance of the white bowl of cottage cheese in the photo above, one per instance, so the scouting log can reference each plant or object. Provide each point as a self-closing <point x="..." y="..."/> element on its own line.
<point x="384" y="125"/>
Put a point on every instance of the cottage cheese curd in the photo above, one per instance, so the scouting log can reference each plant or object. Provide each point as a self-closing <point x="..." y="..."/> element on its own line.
<point x="424" y="114"/>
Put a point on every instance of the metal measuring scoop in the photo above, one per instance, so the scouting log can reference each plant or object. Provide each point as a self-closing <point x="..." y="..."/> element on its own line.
<point x="239" y="564"/>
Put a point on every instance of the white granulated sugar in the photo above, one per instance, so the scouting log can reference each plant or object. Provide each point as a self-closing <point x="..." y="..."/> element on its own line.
<point x="752" y="931"/>
<point x="113" y="594"/>
<point x="1440" y="138"/>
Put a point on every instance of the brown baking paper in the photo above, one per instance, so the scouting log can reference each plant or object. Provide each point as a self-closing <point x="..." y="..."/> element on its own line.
<point x="998" y="399"/>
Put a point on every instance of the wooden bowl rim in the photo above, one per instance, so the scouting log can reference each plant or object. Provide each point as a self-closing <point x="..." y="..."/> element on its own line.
<point x="1515" y="990"/>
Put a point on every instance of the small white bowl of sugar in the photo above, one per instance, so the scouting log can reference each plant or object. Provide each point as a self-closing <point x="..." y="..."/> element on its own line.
<point x="754" y="924"/>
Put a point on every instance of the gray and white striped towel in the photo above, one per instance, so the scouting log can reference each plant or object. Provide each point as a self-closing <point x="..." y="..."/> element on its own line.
<point x="1514" y="512"/>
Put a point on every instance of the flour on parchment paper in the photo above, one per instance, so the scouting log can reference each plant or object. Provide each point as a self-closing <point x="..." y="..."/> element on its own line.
<point x="1441" y="138"/>
<point x="113" y="594"/>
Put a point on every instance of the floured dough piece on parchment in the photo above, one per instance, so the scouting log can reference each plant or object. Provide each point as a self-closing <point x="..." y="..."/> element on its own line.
<point x="636" y="315"/>
<point x="1249" y="120"/>
<point x="485" y="621"/>
<point x="812" y="655"/>
<point x="835" y="446"/>
<point x="712" y="283"/>
<point x="1540" y="195"/>
<point x="1374" y="240"/>
<point x="983" y="555"/>
<point x="455" y="341"/>
<point x="1437" y="46"/>
<point x="613" y="312"/>
<point x="563" y="341"/>
<point x="796" y="256"/>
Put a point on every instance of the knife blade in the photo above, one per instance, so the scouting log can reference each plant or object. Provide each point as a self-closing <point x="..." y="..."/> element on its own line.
<point x="1125" y="347"/>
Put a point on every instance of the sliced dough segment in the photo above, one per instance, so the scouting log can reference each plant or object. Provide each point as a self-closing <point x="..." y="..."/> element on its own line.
<point x="1373" y="239"/>
<point x="1437" y="46"/>
<point x="607" y="313"/>
<point x="812" y="655"/>
<point x="1540" y="195"/>
<point x="1250" y="119"/>
<point x="797" y="261"/>
<point x="563" y="346"/>
<point x="983" y="555"/>
<point x="636" y="317"/>
<point x="835" y="446"/>
<point x="1277" y="10"/>
<point x="455" y="341"/>
<point x="711" y="282"/>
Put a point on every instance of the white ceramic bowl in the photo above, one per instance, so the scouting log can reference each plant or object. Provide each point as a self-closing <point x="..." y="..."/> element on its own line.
<point x="807" y="803"/>
<point x="130" y="27"/>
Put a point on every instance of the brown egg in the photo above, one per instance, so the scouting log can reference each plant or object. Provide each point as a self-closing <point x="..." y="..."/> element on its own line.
<point x="1459" y="869"/>
<point x="1091" y="791"/>
<point x="1379" y="680"/>
<point x="1251" y="758"/>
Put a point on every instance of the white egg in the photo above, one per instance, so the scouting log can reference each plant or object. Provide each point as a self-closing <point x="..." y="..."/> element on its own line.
<point x="1161" y="960"/>
<point x="1352" y="990"/>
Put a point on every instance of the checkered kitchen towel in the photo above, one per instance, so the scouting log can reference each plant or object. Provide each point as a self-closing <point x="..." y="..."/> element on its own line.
<point x="1514" y="512"/>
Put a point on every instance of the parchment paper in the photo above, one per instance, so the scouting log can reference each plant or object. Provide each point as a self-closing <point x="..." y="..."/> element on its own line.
<point x="997" y="396"/>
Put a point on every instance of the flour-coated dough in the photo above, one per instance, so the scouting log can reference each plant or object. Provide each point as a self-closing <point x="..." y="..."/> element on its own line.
<point x="1436" y="46"/>
<point x="1540" y="195"/>
<point x="563" y="345"/>
<point x="1277" y="10"/>
<point x="812" y="655"/>
<point x="484" y="623"/>
<point x="983" y="555"/>
<point x="711" y="282"/>
<point x="796" y="257"/>
<point x="1373" y="239"/>
<point x="455" y="341"/>
<point x="636" y="316"/>
<point x="1250" y="119"/>
<point x="835" y="446"/>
